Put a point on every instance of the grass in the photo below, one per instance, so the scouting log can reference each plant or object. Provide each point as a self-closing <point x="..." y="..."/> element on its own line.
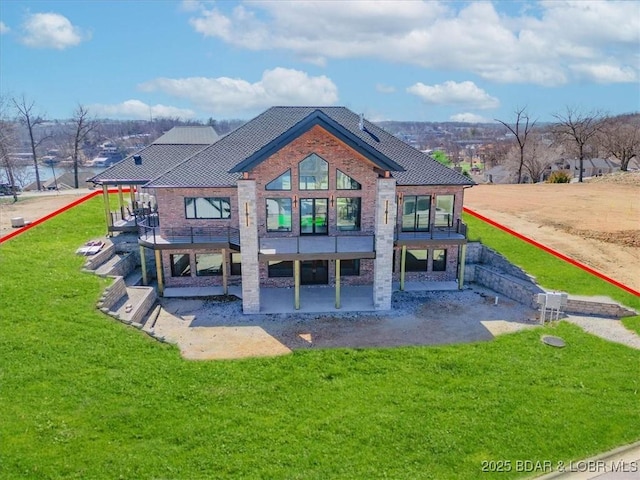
<point x="84" y="396"/>
<point x="550" y="271"/>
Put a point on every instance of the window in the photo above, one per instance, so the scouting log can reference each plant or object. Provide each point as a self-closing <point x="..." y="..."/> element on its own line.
<point x="313" y="216"/>
<point x="314" y="173"/>
<point x="180" y="265"/>
<point x="282" y="268"/>
<point x="415" y="213"/>
<point x="439" y="260"/>
<point x="348" y="210"/>
<point x="200" y="207"/>
<point x="350" y="268"/>
<point x="283" y="182"/>
<point x="444" y="211"/>
<point x="416" y="261"/>
<point x="208" y="264"/>
<point x="236" y="264"/>
<point x="278" y="214"/>
<point x="345" y="182"/>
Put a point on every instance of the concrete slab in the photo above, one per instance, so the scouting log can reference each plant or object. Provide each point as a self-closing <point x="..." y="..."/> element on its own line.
<point x="317" y="300"/>
<point x="184" y="292"/>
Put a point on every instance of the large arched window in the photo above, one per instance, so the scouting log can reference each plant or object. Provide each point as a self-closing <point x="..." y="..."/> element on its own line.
<point x="313" y="173"/>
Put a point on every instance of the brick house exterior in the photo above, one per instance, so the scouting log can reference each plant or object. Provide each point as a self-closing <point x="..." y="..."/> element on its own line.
<point x="302" y="195"/>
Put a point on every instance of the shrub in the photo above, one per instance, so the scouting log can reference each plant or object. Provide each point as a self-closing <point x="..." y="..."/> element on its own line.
<point x="559" y="176"/>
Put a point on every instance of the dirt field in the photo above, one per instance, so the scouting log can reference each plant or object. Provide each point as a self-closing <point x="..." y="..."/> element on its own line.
<point x="32" y="206"/>
<point x="597" y="223"/>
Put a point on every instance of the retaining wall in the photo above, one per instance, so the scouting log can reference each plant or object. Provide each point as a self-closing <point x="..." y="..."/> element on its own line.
<point x="112" y="294"/>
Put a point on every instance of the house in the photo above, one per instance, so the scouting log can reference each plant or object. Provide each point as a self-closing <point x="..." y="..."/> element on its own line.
<point x="591" y="167"/>
<point x="66" y="181"/>
<point x="296" y="196"/>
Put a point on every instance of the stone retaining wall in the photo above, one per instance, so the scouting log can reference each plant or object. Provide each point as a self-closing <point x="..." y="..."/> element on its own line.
<point x="102" y="256"/>
<point x="597" y="308"/>
<point x="491" y="270"/>
<point x="141" y="310"/>
<point x="126" y="265"/>
<point x="112" y="294"/>
<point x="522" y="291"/>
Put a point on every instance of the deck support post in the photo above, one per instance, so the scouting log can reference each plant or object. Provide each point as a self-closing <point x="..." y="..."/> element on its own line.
<point x="403" y="266"/>
<point x="463" y="257"/>
<point x="296" y="284"/>
<point x="132" y="195"/>
<point x="143" y="266"/>
<point x="121" y="201"/>
<point x="107" y="208"/>
<point x="159" y="273"/>
<point x="337" y="283"/>
<point x="225" y="286"/>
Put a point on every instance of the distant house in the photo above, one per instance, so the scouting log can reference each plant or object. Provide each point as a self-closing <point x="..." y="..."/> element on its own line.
<point x="296" y="196"/>
<point x="66" y="181"/>
<point x="591" y="167"/>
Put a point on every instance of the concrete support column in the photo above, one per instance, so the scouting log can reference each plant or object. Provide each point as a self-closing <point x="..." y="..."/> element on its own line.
<point x="159" y="272"/>
<point x="337" y="283"/>
<point x="403" y="266"/>
<point x="225" y="274"/>
<point x="385" y="229"/>
<point x="107" y="208"/>
<point x="248" y="221"/>
<point x="296" y="284"/>
<point x="143" y="266"/>
<point x="462" y="252"/>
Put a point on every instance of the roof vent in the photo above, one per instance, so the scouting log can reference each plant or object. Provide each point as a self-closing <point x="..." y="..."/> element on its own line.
<point x="361" y="122"/>
<point x="137" y="159"/>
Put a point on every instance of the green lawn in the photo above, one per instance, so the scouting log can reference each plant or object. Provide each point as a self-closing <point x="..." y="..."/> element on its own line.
<point x="83" y="396"/>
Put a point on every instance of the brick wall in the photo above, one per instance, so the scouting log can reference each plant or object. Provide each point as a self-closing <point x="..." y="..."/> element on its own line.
<point x="172" y="211"/>
<point x="339" y="156"/>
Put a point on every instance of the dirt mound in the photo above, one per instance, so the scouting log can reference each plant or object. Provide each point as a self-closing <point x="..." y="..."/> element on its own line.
<point x="619" y="178"/>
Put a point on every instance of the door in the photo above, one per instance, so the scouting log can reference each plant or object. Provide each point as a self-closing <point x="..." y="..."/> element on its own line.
<point x="314" y="272"/>
<point x="313" y="216"/>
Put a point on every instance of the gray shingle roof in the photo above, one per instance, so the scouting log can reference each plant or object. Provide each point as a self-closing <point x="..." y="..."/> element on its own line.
<point x="211" y="167"/>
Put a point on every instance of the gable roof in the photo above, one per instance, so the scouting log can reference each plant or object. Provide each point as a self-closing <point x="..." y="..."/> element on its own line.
<point x="220" y="164"/>
<point x="160" y="156"/>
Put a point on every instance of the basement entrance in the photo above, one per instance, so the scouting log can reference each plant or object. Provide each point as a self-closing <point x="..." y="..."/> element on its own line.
<point x="314" y="272"/>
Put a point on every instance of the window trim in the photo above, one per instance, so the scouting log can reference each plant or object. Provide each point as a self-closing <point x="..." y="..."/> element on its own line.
<point x="301" y="176"/>
<point x="340" y="172"/>
<point x="172" y="265"/>
<point x="358" y="225"/>
<point x="215" y="274"/>
<point x="433" y="260"/>
<point x="266" y="187"/>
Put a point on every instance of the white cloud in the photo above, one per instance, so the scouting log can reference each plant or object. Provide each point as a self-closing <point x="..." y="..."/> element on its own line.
<point x="224" y="95"/>
<point x="137" y="110"/>
<point x="536" y="46"/>
<point x="382" y="88"/>
<point x="469" y="118"/>
<point x="51" y="30"/>
<point x="454" y="93"/>
<point x="3" y="28"/>
<point x="606" y="73"/>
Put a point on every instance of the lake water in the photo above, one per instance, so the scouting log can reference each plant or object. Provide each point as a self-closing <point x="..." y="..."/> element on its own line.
<point x="46" y="172"/>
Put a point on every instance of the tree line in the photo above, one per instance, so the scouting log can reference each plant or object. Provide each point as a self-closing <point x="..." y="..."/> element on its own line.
<point x="575" y="134"/>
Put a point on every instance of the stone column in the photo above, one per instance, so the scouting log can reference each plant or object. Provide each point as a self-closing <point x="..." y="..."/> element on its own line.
<point x="248" y="221"/>
<point x="385" y="222"/>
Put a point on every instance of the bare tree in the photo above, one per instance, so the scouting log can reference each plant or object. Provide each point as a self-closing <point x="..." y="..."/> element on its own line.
<point x="82" y="126"/>
<point x="578" y="128"/>
<point x="620" y="138"/>
<point x="539" y="155"/>
<point x="7" y="139"/>
<point x="30" y="119"/>
<point x="521" y="130"/>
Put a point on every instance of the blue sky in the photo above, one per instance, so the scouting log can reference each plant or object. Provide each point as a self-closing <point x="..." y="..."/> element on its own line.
<point x="397" y="60"/>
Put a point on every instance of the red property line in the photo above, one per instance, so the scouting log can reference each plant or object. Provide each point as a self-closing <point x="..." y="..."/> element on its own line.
<point x="561" y="256"/>
<point x="57" y="212"/>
